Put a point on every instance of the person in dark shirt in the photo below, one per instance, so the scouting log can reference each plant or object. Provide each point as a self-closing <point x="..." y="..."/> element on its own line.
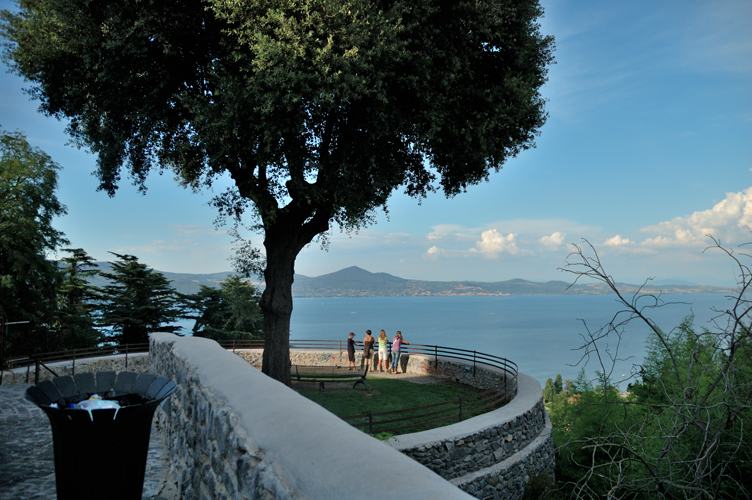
<point x="351" y="352"/>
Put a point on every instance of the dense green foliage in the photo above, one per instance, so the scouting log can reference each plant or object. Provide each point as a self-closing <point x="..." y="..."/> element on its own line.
<point x="678" y="432"/>
<point x="63" y="309"/>
<point x="318" y="109"/>
<point x="228" y="312"/>
<point x="139" y="302"/>
<point x="76" y="317"/>
<point x="28" y="280"/>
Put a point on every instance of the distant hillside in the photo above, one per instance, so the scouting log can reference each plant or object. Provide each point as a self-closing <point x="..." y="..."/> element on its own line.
<point x="182" y="282"/>
<point x="352" y="281"/>
<point x="357" y="282"/>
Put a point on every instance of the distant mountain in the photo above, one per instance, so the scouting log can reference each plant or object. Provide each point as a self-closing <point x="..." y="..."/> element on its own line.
<point x="182" y="282"/>
<point x="352" y="281"/>
<point x="357" y="282"/>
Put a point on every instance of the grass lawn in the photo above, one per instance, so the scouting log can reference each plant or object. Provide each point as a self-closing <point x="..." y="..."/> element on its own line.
<point x="386" y="394"/>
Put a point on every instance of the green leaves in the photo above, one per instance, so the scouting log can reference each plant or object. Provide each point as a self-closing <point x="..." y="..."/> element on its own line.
<point x="229" y="312"/>
<point x="139" y="302"/>
<point x="317" y="109"/>
<point x="28" y="205"/>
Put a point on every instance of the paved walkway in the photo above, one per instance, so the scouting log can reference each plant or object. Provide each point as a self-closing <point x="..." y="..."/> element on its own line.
<point x="26" y="459"/>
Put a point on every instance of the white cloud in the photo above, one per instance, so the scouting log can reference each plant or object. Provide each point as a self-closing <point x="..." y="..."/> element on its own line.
<point x="730" y="220"/>
<point x="434" y="253"/>
<point x="493" y="243"/>
<point x="617" y="241"/>
<point x="553" y="241"/>
<point x="453" y="231"/>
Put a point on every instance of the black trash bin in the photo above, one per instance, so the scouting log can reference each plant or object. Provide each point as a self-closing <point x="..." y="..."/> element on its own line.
<point x="101" y="453"/>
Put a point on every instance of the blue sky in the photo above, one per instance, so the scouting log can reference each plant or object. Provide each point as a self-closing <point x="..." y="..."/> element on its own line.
<point x="648" y="148"/>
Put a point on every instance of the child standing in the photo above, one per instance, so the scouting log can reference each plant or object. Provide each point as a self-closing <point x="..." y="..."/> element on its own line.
<point x="351" y="352"/>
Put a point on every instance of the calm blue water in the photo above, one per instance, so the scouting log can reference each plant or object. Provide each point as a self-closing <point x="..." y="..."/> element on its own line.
<point x="541" y="333"/>
<point x="538" y="332"/>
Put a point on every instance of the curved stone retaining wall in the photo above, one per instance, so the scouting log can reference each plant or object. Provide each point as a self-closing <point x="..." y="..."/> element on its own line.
<point x="489" y="456"/>
<point x="232" y="432"/>
<point x="138" y="362"/>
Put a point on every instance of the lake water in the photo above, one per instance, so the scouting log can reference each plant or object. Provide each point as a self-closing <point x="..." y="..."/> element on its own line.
<point x="541" y="333"/>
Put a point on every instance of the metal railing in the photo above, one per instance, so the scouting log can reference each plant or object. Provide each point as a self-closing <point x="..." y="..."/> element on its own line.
<point x="41" y="360"/>
<point x="417" y="418"/>
<point x="508" y="368"/>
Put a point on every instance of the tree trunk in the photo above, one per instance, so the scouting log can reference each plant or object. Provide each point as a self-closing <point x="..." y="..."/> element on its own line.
<point x="276" y="304"/>
<point x="285" y="235"/>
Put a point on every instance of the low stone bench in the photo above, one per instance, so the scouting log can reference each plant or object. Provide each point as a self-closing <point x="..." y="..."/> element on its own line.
<point x="322" y="374"/>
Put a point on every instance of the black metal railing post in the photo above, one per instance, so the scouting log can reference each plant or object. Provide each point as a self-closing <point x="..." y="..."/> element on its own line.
<point x="36" y="373"/>
<point x="436" y="358"/>
<point x="126" y="356"/>
<point x="460" y="409"/>
<point x="473" y="364"/>
<point x="506" y="395"/>
<point x="370" y="422"/>
<point x="74" y="362"/>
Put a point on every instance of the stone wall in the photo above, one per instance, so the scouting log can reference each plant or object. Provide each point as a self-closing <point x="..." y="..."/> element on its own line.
<point x="138" y="362"/>
<point x="507" y="479"/>
<point x="213" y="455"/>
<point x="232" y="432"/>
<point x="492" y="455"/>
<point x="489" y="456"/>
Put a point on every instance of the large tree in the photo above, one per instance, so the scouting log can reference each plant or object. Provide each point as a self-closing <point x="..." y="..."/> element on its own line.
<point x="317" y="109"/>
<point x="228" y="312"/>
<point x="138" y="302"/>
<point x="77" y="302"/>
<point x="28" y="279"/>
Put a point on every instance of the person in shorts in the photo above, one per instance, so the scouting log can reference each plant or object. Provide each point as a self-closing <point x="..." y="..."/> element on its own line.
<point x="383" y="351"/>
<point x="351" y="352"/>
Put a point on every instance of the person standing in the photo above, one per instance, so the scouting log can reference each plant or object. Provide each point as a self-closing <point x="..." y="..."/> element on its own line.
<point x="351" y="352"/>
<point x="396" y="348"/>
<point x="383" y="350"/>
<point x="368" y="349"/>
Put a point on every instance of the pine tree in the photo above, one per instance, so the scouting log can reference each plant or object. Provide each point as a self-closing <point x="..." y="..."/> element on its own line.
<point x="548" y="390"/>
<point x="139" y="302"/>
<point x="228" y="312"/>
<point x="77" y="302"/>
<point x="558" y="384"/>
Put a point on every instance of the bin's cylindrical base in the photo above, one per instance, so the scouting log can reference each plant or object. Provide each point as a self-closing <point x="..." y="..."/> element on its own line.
<point x="104" y="457"/>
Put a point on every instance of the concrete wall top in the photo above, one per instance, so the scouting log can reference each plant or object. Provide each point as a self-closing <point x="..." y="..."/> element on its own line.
<point x="528" y="395"/>
<point x="314" y="452"/>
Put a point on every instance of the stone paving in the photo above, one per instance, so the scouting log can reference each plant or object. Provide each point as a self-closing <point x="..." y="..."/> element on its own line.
<point x="26" y="458"/>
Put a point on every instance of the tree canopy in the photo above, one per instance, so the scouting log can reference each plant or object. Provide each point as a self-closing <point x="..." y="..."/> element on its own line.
<point x="318" y="109"/>
<point x="77" y="302"/>
<point x="139" y="302"/>
<point x="228" y="312"/>
<point x="28" y="280"/>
